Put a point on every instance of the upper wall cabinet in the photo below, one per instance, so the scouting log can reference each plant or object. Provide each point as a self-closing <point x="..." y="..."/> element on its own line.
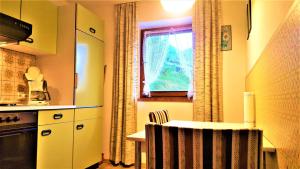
<point x="89" y="23"/>
<point x="11" y="8"/>
<point x="43" y="17"/>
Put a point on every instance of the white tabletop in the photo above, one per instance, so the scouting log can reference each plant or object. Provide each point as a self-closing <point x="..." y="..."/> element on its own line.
<point x="208" y="125"/>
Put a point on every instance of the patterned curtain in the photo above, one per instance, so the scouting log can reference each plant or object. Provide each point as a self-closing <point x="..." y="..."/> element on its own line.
<point x="124" y="100"/>
<point x="207" y="61"/>
<point x="190" y="148"/>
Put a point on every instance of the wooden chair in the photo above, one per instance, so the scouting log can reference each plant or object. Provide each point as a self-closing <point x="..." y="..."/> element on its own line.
<point x="187" y="148"/>
<point x="159" y="117"/>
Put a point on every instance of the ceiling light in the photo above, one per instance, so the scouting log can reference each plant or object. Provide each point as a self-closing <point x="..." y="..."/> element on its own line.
<point x="177" y="6"/>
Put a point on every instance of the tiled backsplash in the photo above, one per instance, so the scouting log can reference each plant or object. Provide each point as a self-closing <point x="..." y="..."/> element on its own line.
<point x="13" y="65"/>
<point x="275" y="80"/>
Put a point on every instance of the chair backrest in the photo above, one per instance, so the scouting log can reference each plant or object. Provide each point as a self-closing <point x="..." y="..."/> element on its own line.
<point x="186" y="148"/>
<point x="159" y="117"/>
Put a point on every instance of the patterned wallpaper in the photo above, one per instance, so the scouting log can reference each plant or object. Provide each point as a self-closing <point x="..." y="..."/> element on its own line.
<point x="13" y="65"/>
<point x="275" y="80"/>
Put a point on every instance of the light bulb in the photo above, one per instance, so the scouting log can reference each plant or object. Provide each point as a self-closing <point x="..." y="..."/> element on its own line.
<point x="177" y="6"/>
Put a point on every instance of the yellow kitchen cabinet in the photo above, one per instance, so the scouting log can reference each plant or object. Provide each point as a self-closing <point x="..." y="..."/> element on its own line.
<point x="87" y="142"/>
<point x="89" y="70"/>
<point x="89" y="22"/>
<point x="42" y="15"/>
<point x="55" y="146"/>
<point x="88" y="113"/>
<point x="55" y="116"/>
<point x="11" y="7"/>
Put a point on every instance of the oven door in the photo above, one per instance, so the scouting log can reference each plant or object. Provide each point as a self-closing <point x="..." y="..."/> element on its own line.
<point x="18" y="148"/>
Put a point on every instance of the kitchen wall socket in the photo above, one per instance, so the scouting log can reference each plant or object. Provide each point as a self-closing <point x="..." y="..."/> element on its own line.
<point x="21" y="96"/>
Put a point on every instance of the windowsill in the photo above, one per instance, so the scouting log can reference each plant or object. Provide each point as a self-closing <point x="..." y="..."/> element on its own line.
<point x="165" y="99"/>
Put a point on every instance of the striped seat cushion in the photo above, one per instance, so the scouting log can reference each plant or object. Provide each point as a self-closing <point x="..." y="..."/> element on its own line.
<point x="159" y="117"/>
<point x="186" y="148"/>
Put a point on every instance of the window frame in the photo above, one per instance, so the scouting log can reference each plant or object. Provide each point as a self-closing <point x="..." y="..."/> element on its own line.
<point x="161" y="95"/>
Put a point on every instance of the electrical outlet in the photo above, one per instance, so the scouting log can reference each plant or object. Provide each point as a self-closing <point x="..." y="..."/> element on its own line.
<point x="21" y="96"/>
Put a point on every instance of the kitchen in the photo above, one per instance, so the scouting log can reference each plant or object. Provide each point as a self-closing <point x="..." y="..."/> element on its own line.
<point x="72" y="88"/>
<point x="50" y="124"/>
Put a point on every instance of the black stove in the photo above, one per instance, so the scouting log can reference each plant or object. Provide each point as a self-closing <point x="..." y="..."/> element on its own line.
<point x="15" y="118"/>
<point x="18" y="132"/>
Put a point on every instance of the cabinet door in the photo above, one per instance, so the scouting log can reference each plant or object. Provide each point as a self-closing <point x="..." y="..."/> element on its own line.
<point x="89" y="71"/>
<point x="88" y="113"/>
<point x="42" y="15"/>
<point x="87" y="143"/>
<point x="11" y="7"/>
<point x="55" y="116"/>
<point x="55" y="143"/>
<point x="92" y="26"/>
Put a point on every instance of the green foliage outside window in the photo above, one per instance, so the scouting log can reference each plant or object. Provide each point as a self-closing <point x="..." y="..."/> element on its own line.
<point x="172" y="76"/>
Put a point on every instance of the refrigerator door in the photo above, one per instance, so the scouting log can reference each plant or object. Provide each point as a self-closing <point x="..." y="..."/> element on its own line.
<point x="89" y="71"/>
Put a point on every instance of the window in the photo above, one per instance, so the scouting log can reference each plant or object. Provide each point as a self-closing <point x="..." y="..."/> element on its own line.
<point x="166" y="63"/>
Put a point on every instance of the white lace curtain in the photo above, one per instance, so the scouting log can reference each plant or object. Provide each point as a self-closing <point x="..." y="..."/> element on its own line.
<point x="185" y="62"/>
<point x="155" y="52"/>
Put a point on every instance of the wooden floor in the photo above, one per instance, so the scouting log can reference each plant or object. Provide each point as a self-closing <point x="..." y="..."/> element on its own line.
<point x="107" y="165"/>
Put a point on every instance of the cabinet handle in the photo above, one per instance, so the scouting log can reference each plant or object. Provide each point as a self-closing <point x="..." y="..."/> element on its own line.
<point x="79" y="126"/>
<point x="57" y="116"/>
<point x="92" y="30"/>
<point x="29" y="40"/>
<point x="46" y="132"/>
<point x="76" y="80"/>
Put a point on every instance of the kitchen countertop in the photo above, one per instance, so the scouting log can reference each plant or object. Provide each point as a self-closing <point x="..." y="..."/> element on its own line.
<point x="25" y="108"/>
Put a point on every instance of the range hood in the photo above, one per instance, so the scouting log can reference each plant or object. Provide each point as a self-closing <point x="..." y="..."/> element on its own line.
<point x="13" y="30"/>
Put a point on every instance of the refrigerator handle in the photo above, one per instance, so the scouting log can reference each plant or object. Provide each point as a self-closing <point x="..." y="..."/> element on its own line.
<point x="76" y="80"/>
